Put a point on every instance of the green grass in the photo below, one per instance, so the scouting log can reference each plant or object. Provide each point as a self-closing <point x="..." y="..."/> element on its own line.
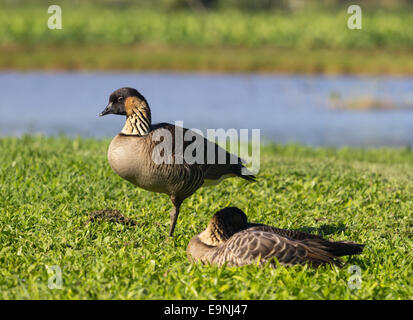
<point x="48" y="186"/>
<point x="85" y="24"/>
<point x="130" y="37"/>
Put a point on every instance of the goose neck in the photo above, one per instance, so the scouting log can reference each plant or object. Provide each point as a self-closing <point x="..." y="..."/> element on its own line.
<point x="138" y="123"/>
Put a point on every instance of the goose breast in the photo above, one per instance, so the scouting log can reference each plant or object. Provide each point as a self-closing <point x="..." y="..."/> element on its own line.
<point x="130" y="157"/>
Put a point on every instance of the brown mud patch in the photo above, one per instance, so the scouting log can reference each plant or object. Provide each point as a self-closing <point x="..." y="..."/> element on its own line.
<point x="112" y="216"/>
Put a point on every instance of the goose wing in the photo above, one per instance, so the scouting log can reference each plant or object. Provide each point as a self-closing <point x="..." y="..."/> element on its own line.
<point x="248" y="246"/>
<point x="292" y="234"/>
<point x="335" y="248"/>
<point x="214" y="161"/>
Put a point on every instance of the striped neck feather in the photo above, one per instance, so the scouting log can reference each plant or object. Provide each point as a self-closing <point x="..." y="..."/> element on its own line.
<point x="138" y="123"/>
<point x="222" y="227"/>
<point x="214" y="235"/>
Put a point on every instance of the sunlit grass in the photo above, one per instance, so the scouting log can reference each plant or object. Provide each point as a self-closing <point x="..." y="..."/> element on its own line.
<point x="48" y="187"/>
<point x="315" y="41"/>
<point x="85" y="24"/>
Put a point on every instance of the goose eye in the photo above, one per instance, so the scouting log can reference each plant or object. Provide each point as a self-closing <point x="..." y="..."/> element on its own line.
<point x="120" y="98"/>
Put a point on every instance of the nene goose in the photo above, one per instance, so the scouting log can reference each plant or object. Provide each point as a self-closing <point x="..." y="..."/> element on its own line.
<point x="134" y="156"/>
<point x="229" y="239"/>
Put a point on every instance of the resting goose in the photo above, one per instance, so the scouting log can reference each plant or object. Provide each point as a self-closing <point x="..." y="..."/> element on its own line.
<point x="134" y="154"/>
<point x="229" y="239"/>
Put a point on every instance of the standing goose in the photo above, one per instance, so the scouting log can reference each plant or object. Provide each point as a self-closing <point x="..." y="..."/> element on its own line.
<point x="230" y="239"/>
<point x="132" y="154"/>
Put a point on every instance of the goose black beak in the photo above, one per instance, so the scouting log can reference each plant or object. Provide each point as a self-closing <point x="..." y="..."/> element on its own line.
<point x="107" y="110"/>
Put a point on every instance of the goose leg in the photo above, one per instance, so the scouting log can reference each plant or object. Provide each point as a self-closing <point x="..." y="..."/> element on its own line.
<point x="174" y="214"/>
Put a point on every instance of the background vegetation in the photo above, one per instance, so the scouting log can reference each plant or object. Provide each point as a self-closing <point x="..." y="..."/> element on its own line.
<point x="49" y="186"/>
<point x="270" y="35"/>
<point x="126" y="26"/>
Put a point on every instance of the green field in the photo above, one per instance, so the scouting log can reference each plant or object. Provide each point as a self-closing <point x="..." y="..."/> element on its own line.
<point x="116" y="37"/>
<point x="48" y="187"/>
<point x="297" y="30"/>
<point x="266" y="60"/>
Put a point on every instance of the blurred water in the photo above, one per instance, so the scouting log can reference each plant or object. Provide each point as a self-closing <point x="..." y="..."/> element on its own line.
<point x="287" y="108"/>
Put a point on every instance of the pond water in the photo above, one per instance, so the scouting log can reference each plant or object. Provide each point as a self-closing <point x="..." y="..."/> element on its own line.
<point x="287" y="108"/>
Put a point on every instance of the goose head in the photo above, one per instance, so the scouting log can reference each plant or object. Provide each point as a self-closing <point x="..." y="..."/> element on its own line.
<point x="223" y="225"/>
<point x="130" y="103"/>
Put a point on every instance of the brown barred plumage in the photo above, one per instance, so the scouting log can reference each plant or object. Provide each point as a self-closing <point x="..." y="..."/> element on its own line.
<point x="229" y="239"/>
